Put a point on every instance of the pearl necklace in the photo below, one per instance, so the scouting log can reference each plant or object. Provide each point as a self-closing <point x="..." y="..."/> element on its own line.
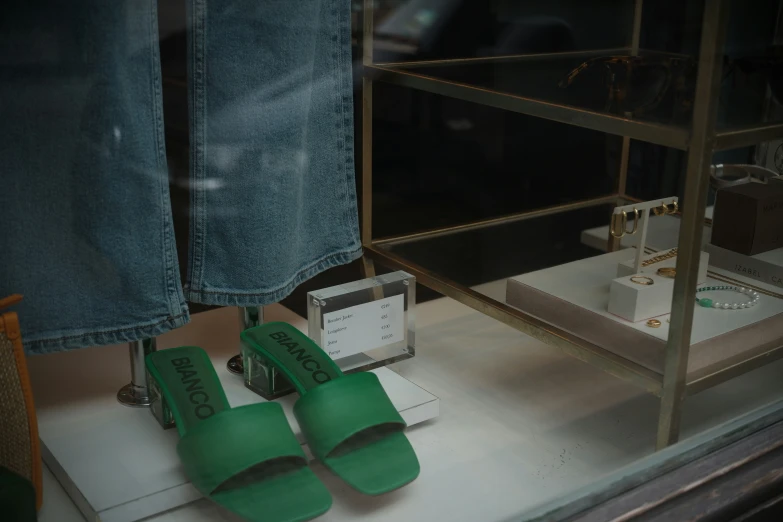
<point x="709" y="303"/>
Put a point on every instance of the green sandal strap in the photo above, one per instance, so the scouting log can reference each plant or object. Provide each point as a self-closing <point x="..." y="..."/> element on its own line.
<point x="334" y="412"/>
<point x="295" y="355"/>
<point x="235" y="440"/>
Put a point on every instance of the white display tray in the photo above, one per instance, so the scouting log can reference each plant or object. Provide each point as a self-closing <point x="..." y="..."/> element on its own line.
<point x="115" y="462"/>
<point x="575" y="297"/>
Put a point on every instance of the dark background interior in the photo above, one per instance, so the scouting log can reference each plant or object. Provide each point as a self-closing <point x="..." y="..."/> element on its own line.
<point x="440" y="161"/>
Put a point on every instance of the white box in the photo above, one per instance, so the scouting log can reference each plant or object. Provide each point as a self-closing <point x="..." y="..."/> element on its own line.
<point x="635" y="302"/>
<point x="628" y="268"/>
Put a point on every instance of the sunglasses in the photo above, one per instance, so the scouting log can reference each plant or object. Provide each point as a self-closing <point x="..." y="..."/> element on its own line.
<point x="641" y="84"/>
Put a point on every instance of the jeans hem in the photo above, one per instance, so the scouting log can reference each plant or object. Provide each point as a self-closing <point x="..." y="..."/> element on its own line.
<point x="68" y="340"/>
<point x="224" y="297"/>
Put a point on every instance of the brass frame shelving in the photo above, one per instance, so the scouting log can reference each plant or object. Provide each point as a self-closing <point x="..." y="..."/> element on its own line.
<point x="701" y="139"/>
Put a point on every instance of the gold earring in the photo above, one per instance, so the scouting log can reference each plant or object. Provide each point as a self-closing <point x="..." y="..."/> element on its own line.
<point x="635" y="223"/>
<point x="660" y="211"/>
<point x="613" y="225"/>
<point x="674" y="210"/>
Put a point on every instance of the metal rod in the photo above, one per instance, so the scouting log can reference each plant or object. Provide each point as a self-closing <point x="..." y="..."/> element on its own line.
<point x="747" y="136"/>
<point x="137" y="394"/>
<point x="625" y="157"/>
<point x="703" y="380"/>
<point x="367" y="195"/>
<point x="531" y="56"/>
<point x="636" y="34"/>
<point x="484" y="223"/>
<point x="614" y="243"/>
<point x="368" y="31"/>
<point x="625" y="154"/>
<point x="507" y="58"/>
<point x="667" y="135"/>
<point x="249" y="316"/>
<point x="692" y="222"/>
<point x="526" y="323"/>
<point x="630" y="199"/>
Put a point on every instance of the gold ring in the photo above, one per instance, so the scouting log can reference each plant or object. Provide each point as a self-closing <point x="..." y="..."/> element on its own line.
<point x="654" y="323"/>
<point x="667" y="271"/>
<point x="642" y="280"/>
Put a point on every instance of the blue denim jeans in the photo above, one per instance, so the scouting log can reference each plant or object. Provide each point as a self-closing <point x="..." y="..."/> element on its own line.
<point x="85" y="215"/>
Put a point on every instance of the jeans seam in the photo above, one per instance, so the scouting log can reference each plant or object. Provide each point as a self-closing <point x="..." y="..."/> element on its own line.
<point x="172" y="291"/>
<point x="344" y="96"/>
<point x="303" y="270"/>
<point x="198" y="126"/>
<point x="50" y="341"/>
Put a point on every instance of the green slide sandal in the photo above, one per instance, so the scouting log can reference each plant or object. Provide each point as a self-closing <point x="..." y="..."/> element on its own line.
<point x="349" y="422"/>
<point x="245" y="459"/>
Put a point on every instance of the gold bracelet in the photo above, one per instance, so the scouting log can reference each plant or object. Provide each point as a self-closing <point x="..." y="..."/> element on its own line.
<point x="657" y="259"/>
<point x="667" y="271"/>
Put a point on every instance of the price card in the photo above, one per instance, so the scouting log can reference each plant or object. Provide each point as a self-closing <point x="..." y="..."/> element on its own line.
<point x="364" y="327"/>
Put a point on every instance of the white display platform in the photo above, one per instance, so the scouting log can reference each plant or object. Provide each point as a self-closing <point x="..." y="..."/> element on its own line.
<point x="520" y="424"/>
<point x="575" y="296"/>
<point x="662" y="234"/>
<point x="115" y="462"/>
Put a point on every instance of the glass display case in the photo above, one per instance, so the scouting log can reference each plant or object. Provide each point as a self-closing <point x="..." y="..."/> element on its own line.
<point x="681" y="95"/>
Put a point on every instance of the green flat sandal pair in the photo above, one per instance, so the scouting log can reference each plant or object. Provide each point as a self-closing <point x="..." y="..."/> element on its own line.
<point x="248" y="460"/>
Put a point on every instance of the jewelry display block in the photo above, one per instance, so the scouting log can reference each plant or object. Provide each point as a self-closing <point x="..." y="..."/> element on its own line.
<point x="116" y="463"/>
<point x="635" y="302"/>
<point x="575" y="296"/>
<point x="371" y="318"/>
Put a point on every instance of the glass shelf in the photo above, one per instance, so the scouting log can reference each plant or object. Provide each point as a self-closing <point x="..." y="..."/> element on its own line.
<point x="530" y="84"/>
<point x="477" y="265"/>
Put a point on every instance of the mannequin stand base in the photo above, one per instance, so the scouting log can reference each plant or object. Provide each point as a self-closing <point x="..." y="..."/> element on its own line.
<point x="129" y="395"/>
<point x="235" y="365"/>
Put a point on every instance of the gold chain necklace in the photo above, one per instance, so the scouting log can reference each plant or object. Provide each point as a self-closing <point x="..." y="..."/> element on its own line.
<point x="657" y="259"/>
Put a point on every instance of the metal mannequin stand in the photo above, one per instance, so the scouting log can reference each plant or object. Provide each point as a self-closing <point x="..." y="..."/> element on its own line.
<point x="249" y="316"/>
<point x="136" y="394"/>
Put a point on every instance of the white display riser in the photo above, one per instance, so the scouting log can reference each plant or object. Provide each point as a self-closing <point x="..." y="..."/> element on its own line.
<point x="115" y="462"/>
